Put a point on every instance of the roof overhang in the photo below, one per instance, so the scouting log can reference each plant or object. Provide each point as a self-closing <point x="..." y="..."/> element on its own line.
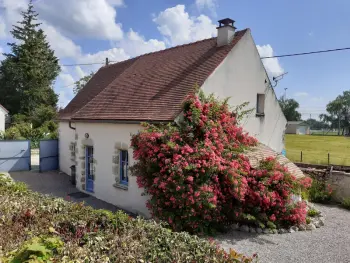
<point x="3" y="108"/>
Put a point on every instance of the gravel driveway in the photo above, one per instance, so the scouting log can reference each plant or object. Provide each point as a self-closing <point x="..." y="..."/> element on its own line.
<point x="330" y="243"/>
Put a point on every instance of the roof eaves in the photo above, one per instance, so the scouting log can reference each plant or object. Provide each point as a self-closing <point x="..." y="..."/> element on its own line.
<point x="4" y="108"/>
<point x="117" y="121"/>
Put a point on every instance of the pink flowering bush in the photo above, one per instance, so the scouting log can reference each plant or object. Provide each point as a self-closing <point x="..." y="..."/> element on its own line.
<point x="268" y="200"/>
<point x="197" y="176"/>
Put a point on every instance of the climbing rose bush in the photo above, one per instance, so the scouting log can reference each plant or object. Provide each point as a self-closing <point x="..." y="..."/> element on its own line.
<point x="268" y="199"/>
<point x="197" y="176"/>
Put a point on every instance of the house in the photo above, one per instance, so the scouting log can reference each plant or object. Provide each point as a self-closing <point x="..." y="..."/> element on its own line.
<point x="3" y="117"/>
<point x="96" y="126"/>
<point x="297" y="127"/>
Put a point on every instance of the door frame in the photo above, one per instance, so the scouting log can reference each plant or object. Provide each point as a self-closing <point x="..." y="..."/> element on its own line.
<point x="88" y="176"/>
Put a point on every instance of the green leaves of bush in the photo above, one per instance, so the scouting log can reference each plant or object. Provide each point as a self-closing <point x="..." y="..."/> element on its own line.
<point x="38" y="249"/>
<point x="320" y="192"/>
<point x="65" y="232"/>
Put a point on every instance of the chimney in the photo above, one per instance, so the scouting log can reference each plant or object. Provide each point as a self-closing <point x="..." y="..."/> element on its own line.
<point x="226" y="31"/>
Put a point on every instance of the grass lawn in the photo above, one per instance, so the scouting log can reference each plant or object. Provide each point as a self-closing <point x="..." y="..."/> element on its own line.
<point x="316" y="148"/>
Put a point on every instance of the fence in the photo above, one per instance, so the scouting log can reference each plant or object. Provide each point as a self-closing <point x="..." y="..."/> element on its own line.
<point x="325" y="158"/>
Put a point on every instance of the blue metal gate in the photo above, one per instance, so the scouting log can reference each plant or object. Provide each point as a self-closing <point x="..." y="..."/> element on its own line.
<point x="14" y="156"/>
<point x="48" y="155"/>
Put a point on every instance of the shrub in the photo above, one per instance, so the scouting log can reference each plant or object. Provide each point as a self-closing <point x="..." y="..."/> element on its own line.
<point x="320" y="191"/>
<point x="197" y="176"/>
<point x="38" y="249"/>
<point x="346" y="203"/>
<point x="313" y="212"/>
<point x="11" y="133"/>
<point x="37" y="228"/>
<point x="269" y="195"/>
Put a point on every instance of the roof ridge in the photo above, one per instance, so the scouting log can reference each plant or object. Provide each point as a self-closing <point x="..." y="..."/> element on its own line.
<point x="161" y="51"/>
<point x="170" y="48"/>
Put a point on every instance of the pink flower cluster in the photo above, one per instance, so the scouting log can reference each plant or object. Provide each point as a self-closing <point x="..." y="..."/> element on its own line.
<point x="196" y="175"/>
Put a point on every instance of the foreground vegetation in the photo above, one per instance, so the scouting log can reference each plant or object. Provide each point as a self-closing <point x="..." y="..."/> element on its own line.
<point x="37" y="228"/>
<point x="316" y="148"/>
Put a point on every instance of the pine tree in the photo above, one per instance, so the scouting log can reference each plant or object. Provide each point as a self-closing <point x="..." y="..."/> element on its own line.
<point x="28" y="72"/>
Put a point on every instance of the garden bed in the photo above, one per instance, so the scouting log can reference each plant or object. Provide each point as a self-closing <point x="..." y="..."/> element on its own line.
<point x="53" y="230"/>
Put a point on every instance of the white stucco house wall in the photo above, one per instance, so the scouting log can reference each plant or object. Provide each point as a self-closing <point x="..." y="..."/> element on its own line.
<point x="3" y="115"/>
<point x="96" y="126"/>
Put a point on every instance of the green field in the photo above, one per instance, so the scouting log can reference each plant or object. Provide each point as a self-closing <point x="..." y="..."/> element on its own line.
<point x="316" y="148"/>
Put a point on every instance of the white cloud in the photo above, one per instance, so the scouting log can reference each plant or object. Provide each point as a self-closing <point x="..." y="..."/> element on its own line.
<point x="317" y="99"/>
<point x="63" y="46"/>
<point x="80" y="73"/>
<point x="135" y="44"/>
<point x="64" y="97"/>
<point x="2" y="28"/>
<point x="210" y="4"/>
<point x="178" y="27"/>
<point x="12" y="9"/>
<point x="83" y="18"/>
<point x="301" y="94"/>
<point x="272" y="65"/>
<point x="114" y="54"/>
<point x="116" y="2"/>
<point x="1" y="51"/>
<point x="66" y="79"/>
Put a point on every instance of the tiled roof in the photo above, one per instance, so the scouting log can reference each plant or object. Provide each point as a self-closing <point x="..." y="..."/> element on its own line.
<point x="262" y="151"/>
<point x="149" y="87"/>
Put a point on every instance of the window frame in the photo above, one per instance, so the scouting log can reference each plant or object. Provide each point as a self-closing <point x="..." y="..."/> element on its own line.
<point x="260" y="109"/>
<point x="122" y="163"/>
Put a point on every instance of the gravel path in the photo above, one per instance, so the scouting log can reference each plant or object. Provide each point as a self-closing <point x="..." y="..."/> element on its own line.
<point x="330" y="243"/>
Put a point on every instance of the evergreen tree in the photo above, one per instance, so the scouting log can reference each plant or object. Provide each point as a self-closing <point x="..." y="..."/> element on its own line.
<point x="28" y="72"/>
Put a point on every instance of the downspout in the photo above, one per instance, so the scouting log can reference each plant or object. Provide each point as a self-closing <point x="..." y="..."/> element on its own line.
<point x="70" y="126"/>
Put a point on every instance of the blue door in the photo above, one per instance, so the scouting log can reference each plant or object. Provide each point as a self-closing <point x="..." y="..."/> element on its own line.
<point x="89" y="162"/>
<point x="48" y="155"/>
<point x="14" y="156"/>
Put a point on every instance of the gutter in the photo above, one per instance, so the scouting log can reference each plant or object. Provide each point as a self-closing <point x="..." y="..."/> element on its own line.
<point x="70" y="125"/>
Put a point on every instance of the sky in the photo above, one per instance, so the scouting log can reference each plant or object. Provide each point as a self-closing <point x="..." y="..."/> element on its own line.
<point x="88" y="31"/>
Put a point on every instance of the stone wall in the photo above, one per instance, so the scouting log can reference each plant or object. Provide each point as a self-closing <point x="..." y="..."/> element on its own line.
<point x="339" y="180"/>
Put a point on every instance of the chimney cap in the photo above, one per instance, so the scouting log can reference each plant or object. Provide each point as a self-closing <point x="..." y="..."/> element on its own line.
<point x="226" y="22"/>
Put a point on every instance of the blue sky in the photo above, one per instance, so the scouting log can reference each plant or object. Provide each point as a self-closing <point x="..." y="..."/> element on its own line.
<point x="84" y="31"/>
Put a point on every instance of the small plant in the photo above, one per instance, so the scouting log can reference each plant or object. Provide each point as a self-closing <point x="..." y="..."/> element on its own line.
<point x="308" y="220"/>
<point x="320" y="192"/>
<point x="346" y="203"/>
<point x="271" y="225"/>
<point x="313" y="212"/>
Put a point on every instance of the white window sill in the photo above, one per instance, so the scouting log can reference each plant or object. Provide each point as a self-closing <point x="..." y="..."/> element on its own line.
<point x="121" y="186"/>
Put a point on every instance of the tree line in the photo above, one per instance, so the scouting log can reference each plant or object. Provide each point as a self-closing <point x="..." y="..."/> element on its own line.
<point x="336" y="118"/>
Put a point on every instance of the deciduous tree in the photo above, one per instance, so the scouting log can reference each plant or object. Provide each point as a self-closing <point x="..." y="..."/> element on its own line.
<point x="82" y="82"/>
<point x="289" y="108"/>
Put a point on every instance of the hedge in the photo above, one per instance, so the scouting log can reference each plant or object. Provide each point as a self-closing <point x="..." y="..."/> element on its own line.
<point x="38" y="228"/>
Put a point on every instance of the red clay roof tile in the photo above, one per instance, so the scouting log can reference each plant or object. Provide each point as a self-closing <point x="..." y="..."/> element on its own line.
<point x="149" y="87"/>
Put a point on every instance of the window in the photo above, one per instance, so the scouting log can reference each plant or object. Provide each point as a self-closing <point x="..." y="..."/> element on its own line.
<point x="260" y="105"/>
<point x="124" y="163"/>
